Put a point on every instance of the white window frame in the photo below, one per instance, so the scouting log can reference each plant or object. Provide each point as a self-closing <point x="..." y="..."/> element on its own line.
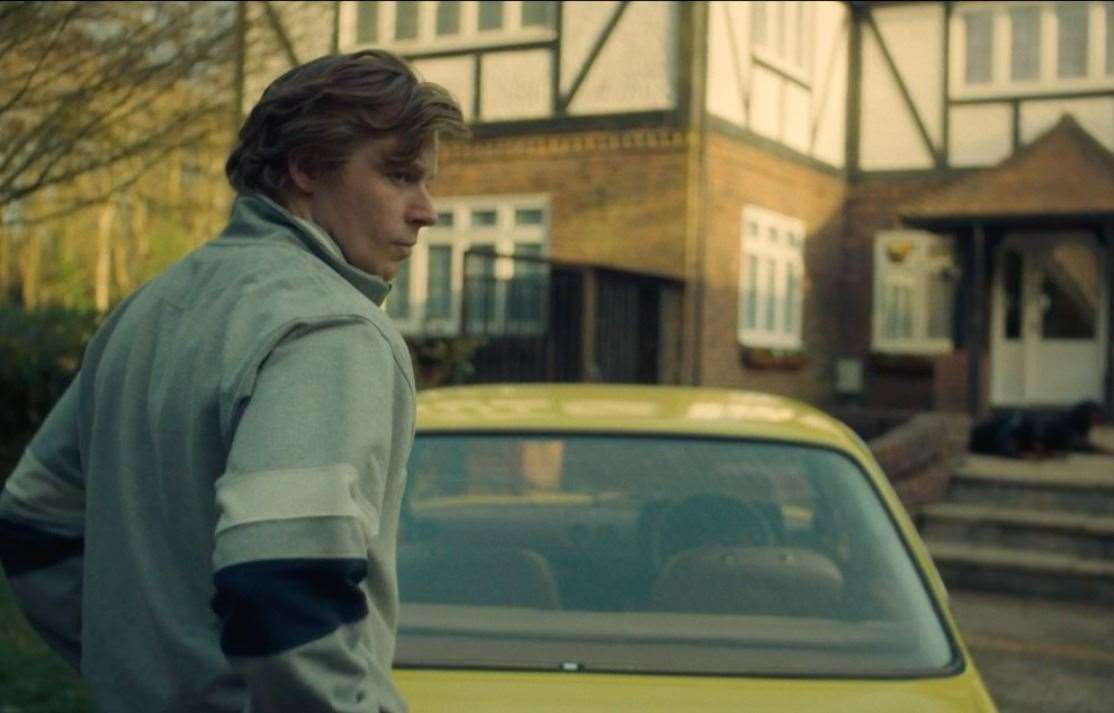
<point x="1047" y="80"/>
<point x="769" y="54"/>
<point x="780" y="256"/>
<point x="460" y="237"/>
<point x="906" y="260"/>
<point x="427" y="39"/>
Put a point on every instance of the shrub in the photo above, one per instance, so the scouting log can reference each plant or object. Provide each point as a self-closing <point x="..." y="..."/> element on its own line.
<point x="40" y="351"/>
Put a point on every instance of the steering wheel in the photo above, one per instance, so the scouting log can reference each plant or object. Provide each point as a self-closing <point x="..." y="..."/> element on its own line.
<point x="707" y="519"/>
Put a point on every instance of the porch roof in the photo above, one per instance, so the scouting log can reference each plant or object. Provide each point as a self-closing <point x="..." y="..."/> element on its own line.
<point x="1064" y="172"/>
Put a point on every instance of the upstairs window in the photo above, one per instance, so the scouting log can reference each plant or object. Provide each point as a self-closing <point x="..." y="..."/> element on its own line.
<point x="771" y="279"/>
<point x="491" y="15"/>
<point x="1071" y="40"/>
<point x="1032" y="47"/>
<point x="539" y="14"/>
<point x="1025" y="43"/>
<point x="409" y="27"/>
<point x="915" y="279"/>
<point x="406" y="20"/>
<point x="448" y="18"/>
<point x="367" y="22"/>
<point x="979" y="28"/>
<point x="779" y="33"/>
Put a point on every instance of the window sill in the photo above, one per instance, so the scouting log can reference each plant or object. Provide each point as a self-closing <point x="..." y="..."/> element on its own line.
<point x="773" y="359"/>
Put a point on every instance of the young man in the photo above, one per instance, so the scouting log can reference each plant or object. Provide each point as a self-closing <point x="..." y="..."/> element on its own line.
<point x="207" y="519"/>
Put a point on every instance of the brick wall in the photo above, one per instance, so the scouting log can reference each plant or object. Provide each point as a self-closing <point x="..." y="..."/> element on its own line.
<point x="737" y="174"/>
<point x="921" y="383"/>
<point x="617" y="198"/>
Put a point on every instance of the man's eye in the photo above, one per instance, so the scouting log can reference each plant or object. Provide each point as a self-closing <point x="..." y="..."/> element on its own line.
<point x="403" y="177"/>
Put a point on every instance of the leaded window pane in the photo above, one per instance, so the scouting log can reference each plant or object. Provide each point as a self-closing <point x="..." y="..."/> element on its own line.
<point x="480" y="283"/>
<point x="528" y="216"/>
<point x="367" y="22"/>
<point x="406" y="20"/>
<point x="1071" y="40"/>
<point x="483" y="218"/>
<point x="439" y="282"/>
<point x="398" y="304"/>
<point x="752" y="292"/>
<point x="1025" y="43"/>
<point x="791" y="285"/>
<point x="1109" y="11"/>
<point x="448" y="18"/>
<point x="491" y="15"/>
<point x="527" y="287"/>
<point x="979" y="47"/>
<point x="771" y="294"/>
<point x="536" y="13"/>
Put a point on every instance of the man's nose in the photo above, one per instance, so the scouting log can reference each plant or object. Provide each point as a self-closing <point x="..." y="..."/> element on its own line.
<point x="421" y="211"/>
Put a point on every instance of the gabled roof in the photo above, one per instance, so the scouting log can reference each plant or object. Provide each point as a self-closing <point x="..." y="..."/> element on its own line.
<point x="1065" y="171"/>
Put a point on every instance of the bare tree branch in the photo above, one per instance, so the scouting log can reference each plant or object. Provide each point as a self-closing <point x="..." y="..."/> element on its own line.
<point x="86" y="85"/>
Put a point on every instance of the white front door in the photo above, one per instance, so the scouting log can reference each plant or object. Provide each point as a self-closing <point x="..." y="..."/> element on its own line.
<point x="1049" y="320"/>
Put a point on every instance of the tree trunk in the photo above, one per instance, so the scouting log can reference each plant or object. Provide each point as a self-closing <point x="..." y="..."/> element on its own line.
<point x="139" y="230"/>
<point x="30" y="265"/>
<point x="102" y="266"/>
<point x="5" y="264"/>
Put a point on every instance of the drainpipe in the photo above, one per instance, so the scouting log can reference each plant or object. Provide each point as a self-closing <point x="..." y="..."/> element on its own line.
<point x="694" y="71"/>
<point x="976" y="320"/>
<point x="1108" y="234"/>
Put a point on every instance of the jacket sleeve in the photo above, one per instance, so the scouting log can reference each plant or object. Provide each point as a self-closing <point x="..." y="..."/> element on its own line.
<point x="42" y="526"/>
<point x="300" y="499"/>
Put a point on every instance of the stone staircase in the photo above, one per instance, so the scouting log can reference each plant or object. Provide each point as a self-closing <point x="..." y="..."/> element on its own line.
<point x="1036" y="527"/>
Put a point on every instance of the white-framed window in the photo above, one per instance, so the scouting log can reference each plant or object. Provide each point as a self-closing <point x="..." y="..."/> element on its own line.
<point x="915" y="280"/>
<point x="779" y="33"/>
<point x="408" y="26"/>
<point x="505" y="289"/>
<point x="771" y="279"/>
<point x="1004" y="48"/>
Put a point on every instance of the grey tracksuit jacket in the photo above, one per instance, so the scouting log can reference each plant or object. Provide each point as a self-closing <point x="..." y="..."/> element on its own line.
<point x="207" y="519"/>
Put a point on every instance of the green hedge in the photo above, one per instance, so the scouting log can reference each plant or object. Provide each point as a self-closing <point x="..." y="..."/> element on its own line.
<point x="40" y="351"/>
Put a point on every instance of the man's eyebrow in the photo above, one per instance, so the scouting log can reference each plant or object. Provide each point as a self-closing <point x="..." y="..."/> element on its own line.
<point x="415" y="165"/>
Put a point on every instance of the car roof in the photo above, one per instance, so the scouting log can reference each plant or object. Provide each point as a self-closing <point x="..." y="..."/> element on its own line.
<point x="641" y="409"/>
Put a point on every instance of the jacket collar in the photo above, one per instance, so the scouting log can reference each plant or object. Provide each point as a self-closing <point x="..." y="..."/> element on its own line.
<point x="255" y="215"/>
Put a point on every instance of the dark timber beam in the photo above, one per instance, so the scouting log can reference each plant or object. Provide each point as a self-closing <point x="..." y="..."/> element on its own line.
<point x="1108" y="233"/>
<point x="605" y="35"/>
<point x="976" y="320"/>
<point x="854" y="91"/>
<point x="744" y="94"/>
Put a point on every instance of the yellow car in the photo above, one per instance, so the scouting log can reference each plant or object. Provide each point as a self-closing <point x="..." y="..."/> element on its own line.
<point x="586" y="548"/>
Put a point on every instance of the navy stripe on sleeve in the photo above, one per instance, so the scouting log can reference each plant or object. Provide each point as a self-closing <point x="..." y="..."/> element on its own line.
<point x="270" y="606"/>
<point x="24" y="548"/>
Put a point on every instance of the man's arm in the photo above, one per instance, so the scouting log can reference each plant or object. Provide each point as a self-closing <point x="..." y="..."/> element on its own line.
<point x="299" y="502"/>
<point x="42" y="527"/>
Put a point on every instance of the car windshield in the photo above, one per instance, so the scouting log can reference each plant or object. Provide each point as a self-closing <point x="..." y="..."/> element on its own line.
<point x="656" y="554"/>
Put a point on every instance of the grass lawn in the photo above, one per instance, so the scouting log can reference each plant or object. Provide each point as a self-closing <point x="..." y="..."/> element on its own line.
<point x="32" y="678"/>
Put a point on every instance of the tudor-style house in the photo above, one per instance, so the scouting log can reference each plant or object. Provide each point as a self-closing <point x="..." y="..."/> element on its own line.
<point x="899" y="204"/>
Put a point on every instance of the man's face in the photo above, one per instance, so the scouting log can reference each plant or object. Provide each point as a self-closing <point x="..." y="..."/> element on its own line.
<point x="374" y="208"/>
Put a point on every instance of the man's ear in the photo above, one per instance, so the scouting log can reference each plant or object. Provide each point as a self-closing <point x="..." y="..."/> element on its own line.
<point x="302" y="173"/>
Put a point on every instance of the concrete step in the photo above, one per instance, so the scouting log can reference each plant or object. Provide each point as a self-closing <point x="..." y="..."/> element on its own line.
<point x="1077" y="483"/>
<point x="965" y="566"/>
<point x="1086" y="536"/>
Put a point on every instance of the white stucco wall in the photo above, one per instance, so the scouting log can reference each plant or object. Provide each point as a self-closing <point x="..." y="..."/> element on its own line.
<point x="979" y="134"/>
<point x="889" y="139"/>
<point x="636" y="68"/>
